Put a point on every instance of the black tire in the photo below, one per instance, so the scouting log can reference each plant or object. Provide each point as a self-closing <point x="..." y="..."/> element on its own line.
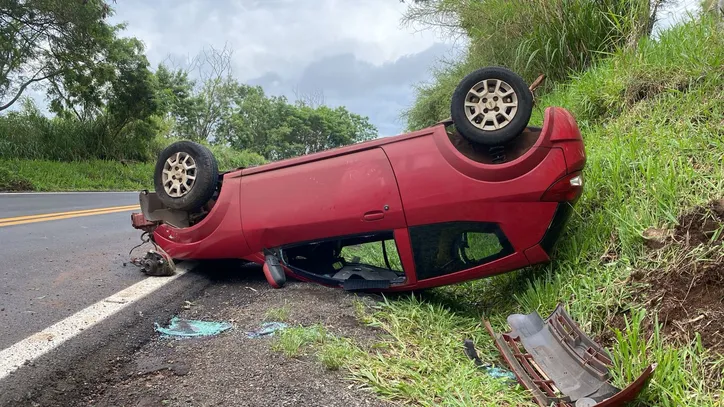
<point x="206" y="176"/>
<point x="513" y="127"/>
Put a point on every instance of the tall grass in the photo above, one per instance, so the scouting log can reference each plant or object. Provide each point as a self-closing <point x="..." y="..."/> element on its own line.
<point x="554" y="37"/>
<point x="29" y="134"/>
<point x="651" y="118"/>
<point x="88" y="175"/>
<point x="64" y="154"/>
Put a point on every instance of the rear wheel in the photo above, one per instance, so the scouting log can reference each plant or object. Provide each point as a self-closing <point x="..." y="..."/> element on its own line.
<point x="491" y="106"/>
<point x="186" y="175"/>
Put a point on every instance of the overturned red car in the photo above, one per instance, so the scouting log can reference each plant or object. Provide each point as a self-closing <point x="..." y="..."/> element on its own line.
<point x="479" y="194"/>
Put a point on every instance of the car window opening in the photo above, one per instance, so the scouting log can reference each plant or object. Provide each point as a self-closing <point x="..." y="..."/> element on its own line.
<point x="446" y="248"/>
<point x="371" y="257"/>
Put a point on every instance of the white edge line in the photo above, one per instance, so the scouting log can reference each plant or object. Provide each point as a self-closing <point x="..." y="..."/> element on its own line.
<point x="40" y="343"/>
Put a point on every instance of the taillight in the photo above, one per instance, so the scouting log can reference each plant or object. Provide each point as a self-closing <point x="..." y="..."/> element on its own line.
<point x="566" y="189"/>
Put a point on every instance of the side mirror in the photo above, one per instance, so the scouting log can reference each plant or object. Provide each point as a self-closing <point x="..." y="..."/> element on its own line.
<point x="273" y="271"/>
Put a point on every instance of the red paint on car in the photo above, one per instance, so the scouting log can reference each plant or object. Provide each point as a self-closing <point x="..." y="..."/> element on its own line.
<point x="406" y="185"/>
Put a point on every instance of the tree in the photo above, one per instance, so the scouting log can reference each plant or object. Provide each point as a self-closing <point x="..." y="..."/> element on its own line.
<point x="198" y="105"/>
<point x="174" y="91"/>
<point x="119" y="83"/>
<point x="43" y="39"/>
<point x="276" y="129"/>
<point x="220" y="110"/>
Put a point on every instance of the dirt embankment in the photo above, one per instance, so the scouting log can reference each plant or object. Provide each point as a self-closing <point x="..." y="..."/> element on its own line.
<point x="689" y="295"/>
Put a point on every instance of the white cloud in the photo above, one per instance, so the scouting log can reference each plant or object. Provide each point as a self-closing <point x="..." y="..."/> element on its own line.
<point x="278" y="35"/>
<point x="675" y="13"/>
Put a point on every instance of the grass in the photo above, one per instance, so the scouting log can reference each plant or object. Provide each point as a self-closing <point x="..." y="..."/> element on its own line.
<point x="337" y="352"/>
<point x="553" y="37"/>
<point x="39" y="153"/>
<point x="29" y="134"/>
<point x="98" y="175"/>
<point x="371" y="253"/>
<point x="293" y="341"/>
<point x="280" y="314"/>
<point x="330" y="351"/>
<point x="679" y="371"/>
<point x="91" y="175"/>
<point x="421" y="360"/>
<point x="652" y="120"/>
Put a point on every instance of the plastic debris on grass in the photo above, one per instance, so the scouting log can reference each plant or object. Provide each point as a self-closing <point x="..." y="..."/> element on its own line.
<point x="266" y="329"/>
<point x="493" y="371"/>
<point x="559" y="364"/>
<point x="189" y="328"/>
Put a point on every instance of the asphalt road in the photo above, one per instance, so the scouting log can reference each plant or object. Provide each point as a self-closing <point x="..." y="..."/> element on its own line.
<point x="52" y="268"/>
<point x="62" y="254"/>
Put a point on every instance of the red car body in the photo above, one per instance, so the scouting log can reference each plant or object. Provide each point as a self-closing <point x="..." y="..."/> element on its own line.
<point x="400" y="186"/>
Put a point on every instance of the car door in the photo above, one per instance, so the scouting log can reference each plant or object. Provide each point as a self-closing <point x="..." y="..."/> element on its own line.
<point x="344" y="195"/>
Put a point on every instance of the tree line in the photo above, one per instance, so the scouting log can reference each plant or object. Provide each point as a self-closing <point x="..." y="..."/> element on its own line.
<point x="100" y="87"/>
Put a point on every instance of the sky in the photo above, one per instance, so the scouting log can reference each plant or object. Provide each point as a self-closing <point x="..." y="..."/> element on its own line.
<point x="356" y="53"/>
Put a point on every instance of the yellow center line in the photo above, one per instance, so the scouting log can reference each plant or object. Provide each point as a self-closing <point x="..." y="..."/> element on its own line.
<point x="50" y="215"/>
<point x="19" y="220"/>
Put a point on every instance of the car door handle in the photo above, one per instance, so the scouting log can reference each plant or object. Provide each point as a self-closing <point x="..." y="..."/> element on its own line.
<point x="373" y="215"/>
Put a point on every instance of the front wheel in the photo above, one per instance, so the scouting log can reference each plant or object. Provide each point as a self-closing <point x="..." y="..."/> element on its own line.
<point x="491" y="106"/>
<point x="186" y="175"/>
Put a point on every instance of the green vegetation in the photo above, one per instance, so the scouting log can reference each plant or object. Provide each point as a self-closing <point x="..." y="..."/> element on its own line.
<point x="280" y="314"/>
<point x="228" y="113"/>
<point x="98" y="175"/>
<point x="651" y="116"/>
<point x="372" y="254"/>
<point x="331" y="351"/>
<point x="482" y="245"/>
<point x="336" y="352"/>
<point x="293" y="341"/>
<point x="89" y="175"/>
<point x="107" y="104"/>
<point x="555" y="38"/>
<point x="421" y="361"/>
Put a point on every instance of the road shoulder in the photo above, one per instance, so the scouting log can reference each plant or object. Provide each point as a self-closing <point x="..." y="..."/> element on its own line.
<point x="231" y="368"/>
<point x="73" y="369"/>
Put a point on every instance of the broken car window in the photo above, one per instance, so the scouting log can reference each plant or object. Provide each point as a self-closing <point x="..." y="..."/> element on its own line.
<point x="445" y="248"/>
<point x="366" y="257"/>
<point x="374" y="254"/>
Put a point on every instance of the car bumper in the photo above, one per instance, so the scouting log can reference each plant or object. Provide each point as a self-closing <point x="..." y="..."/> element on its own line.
<point x="556" y="227"/>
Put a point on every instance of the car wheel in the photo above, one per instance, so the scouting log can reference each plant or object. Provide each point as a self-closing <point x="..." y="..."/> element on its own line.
<point x="186" y="175"/>
<point x="491" y="106"/>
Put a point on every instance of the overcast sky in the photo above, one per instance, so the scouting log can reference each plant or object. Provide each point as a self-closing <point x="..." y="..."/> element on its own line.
<point x="356" y="52"/>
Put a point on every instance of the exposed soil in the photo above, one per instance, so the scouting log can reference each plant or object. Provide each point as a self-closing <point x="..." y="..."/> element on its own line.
<point x="689" y="298"/>
<point x="692" y="300"/>
<point x="700" y="225"/>
<point x="233" y="370"/>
